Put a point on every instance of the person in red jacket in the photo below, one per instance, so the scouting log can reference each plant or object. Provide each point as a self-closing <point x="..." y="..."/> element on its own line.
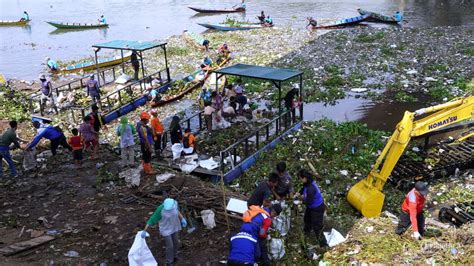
<point x="412" y="211"/>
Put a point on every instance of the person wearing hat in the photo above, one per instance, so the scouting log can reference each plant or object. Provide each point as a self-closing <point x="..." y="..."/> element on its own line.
<point x="46" y="93"/>
<point x="93" y="90"/>
<point x="127" y="142"/>
<point x="261" y="219"/>
<point x="52" y="65"/>
<point x="54" y="134"/>
<point x="315" y="206"/>
<point x="170" y="221"/>
<point x="145" y="134"/>
<point x="158" y="131"/>
<point x="412" y="211"/>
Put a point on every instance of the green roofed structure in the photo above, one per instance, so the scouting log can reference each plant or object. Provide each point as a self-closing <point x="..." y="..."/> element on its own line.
<point x="135" y="46"/>
<point x="275" y="75"/>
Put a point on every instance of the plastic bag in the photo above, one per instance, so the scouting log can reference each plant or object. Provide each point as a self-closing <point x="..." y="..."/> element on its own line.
<point x="177" y="148"/>
<point x="29" y="160"/>
<point x="208" y="218"/>
<point x="132" y="176"/>
<point x="334" y="238"/>
<point x="282" y="222"/>
<point x="277" y="249"/>
<point x="139" y="254"/>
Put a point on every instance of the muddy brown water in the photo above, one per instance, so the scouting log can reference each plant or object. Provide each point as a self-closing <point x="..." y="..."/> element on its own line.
<point x="23" y="49"/>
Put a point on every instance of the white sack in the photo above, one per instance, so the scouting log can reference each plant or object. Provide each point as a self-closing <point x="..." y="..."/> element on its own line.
<point x="139" y="254"/>
<point x="208" y="218"/>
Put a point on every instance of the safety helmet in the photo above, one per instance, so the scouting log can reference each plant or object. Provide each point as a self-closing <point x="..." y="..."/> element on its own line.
<point x="144" y="116"/>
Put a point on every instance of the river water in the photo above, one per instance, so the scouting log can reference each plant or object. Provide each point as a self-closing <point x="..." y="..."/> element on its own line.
<point x="23" y="49"/>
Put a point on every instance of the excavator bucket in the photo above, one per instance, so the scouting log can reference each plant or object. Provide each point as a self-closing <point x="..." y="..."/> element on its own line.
<point x="367" y="199"/>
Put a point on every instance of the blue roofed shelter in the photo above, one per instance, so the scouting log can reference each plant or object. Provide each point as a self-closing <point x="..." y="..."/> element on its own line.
<point x="135" y="47"/>
<point x="275" y="75"/>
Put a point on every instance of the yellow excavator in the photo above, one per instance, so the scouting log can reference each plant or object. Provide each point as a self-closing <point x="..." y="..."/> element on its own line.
<point x="366" y="196"/>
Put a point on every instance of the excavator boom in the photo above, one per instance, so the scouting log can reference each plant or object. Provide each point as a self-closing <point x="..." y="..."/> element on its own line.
<point x="366" y="196"/>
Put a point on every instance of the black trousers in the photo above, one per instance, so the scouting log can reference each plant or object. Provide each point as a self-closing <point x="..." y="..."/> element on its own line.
<point x="59" y="141"/>
<point x="157" y="144"/>
<point x="146" y="154"/>
<point x="314" y="221"/>
<point x="264" y="260"/>
<point x="405" y="222"/>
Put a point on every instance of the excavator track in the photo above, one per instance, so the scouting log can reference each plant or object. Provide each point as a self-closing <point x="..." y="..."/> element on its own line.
<point x="442" y="163"/>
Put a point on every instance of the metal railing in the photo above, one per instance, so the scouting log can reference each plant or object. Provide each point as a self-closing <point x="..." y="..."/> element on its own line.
<point x="105" y="77"/>
<point x="118" y="98"/>
<point x="194" y="122"/>
<point x="254" y="141"/>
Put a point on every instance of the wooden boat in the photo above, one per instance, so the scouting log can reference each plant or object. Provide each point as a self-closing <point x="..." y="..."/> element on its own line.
<point x="62" y="25"/>
<point x="190" y="85"/>
<point x="378" y="17"/>
<point x="344" y="22"/>
<point x="223" y="27"/>
<point x="90" y="65"/>
<point x="195" y="39"/>
<point x="14" y="23"/>
<point x="225" y="10"/>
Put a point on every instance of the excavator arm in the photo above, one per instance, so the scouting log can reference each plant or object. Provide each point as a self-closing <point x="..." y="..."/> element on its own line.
<point x="366" y="196"/>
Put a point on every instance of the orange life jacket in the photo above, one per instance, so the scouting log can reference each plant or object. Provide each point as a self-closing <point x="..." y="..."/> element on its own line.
<point x="253" y="211"/>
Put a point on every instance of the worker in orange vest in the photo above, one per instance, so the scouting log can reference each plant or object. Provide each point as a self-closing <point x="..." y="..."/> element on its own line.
<point x="412" y="211"/>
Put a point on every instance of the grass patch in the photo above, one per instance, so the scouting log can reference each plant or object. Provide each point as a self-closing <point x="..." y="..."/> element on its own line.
<point x="387" y="51"/>
<point x="437" y="68"/>
<point x="333" y="81"/>
<point x="439" y="92"/>
<point x="402" y="96"/>
<point x="333" y="69"/>
<point x="368" y="37"/>
<point x="355" y="79"/>
<point x="14" y="104"/>
<point x="177" y="51"/>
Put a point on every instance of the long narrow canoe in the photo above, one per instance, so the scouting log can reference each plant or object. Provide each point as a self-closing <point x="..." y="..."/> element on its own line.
<point x="344" y="22"/>
<point x="223" y="27"/>
<point x="191" y="84"/>
<point x="195" y="39"/>
<point x="103" y="62"/>
<point x="61" y="25"/>
<point x="379" y="17"/>
<point x="225" y="10"/>
<point x="14" y="23"/>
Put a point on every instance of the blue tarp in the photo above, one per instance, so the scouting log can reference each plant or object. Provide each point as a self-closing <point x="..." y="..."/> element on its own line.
<point x="129" y="45"/>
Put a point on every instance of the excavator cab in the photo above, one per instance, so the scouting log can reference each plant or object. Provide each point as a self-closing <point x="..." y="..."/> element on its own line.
<point x="366" y="196"/>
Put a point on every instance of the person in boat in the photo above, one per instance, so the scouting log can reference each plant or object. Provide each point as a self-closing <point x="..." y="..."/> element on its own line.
<point x="207" y="61"/>
<point x="262" y="17"/>
<point x="135" y="64"/>
<point x="102" y="20"/>
<point x="154" y="95"/>
<point x="223" y="53"/>
<point x="26" y="16"/>
<point x="268" y="21"/>
<point x="398" y="16"/>
<point x="52" y="65"/>
<point x="206" y="43"/>
<point x="311" y="22"/>
<point x="243" y="5"/>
